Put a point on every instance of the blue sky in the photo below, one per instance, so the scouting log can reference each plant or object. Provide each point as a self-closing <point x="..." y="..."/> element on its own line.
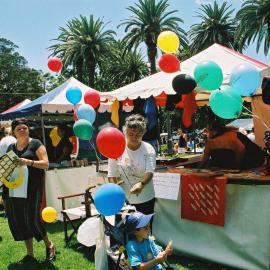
<point x="31" y="24"/>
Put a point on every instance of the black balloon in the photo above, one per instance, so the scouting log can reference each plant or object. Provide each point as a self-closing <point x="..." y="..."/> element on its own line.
<point x="183" y="84"/>
<point x="266" y="90"/>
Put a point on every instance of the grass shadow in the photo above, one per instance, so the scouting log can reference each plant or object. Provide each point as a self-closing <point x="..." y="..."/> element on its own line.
<point x="87" y="252"/>
<point x="32" y="266"/>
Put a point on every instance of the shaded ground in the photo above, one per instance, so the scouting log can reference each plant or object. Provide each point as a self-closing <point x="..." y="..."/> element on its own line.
<point x="74" y="257"/>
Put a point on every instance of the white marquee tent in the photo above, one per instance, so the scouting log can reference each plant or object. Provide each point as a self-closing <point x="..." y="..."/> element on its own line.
<point x="226" y="58"/>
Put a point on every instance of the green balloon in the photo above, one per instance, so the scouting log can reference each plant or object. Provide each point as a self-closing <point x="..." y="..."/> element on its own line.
<point x="226" y="103"/>
<point x="83" y="129"/>
<point x="208" y="75"/>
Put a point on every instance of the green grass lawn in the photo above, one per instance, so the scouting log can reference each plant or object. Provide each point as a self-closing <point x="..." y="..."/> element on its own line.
<point x="74" y="257"/>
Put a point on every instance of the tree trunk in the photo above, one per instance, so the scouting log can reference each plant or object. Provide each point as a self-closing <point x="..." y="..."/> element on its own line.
<point x="79" y="69"/>
<point x="152" y="52"/>
<point x="91" y="66"/>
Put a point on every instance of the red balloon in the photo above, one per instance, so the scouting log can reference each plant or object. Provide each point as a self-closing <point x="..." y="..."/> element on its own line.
<point x="55" y="64"/>
<point x="75" y="116"/>
<point x="111" y="142"/>
<point x="92" y="97"/>
<point x="169" y="63"/>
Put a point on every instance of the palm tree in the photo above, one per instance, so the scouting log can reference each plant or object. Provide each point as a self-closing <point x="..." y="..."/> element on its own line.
<point x="148" y="19"/>
<point x="254" y="23"/>
<point x="120" y="67"/>
<point x="216" y="26"/>
<point x="82" y="44"/>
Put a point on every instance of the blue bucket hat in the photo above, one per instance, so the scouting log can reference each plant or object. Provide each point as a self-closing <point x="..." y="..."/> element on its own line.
<point x="137" y="221"/>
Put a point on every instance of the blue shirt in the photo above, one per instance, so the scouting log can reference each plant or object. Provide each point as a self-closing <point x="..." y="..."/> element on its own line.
<point x="141" y="252"/>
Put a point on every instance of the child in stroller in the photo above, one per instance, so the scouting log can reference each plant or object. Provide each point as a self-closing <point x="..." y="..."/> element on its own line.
<point x="133" y="232"/>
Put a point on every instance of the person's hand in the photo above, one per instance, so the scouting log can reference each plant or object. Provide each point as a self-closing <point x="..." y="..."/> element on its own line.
<point x="161" y="257"/>
<point x="137" y="188"/>
<point x="169" y="248"/>
<point x="24" y="161"/>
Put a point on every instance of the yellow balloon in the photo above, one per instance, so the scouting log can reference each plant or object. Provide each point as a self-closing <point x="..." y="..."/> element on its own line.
<point x="168" y="41"/>
<point x="49" y="214"/>
<point x="16" y="183"/>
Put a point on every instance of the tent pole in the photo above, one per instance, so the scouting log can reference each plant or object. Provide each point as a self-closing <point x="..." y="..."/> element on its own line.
<point x="169" y="131"/>
<point x="43" y="129"/>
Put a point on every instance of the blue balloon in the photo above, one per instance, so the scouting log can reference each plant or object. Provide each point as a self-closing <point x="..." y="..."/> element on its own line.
<point x="86" y="112"/>
<point x="109" y="199"/>
<point x="74" y="95"/>
<point x="246" y="78"/>
<point x="226" y="103"/>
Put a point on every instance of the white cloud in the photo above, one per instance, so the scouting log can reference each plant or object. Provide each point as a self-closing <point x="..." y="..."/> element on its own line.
<point x="203" y="2"/>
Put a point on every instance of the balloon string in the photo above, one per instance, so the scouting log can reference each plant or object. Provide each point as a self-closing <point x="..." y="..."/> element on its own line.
<point x="61" y="76"/>
<point x="251" y="113"/>
<point x="97" y="157"/>
<point x="119" y="166"/>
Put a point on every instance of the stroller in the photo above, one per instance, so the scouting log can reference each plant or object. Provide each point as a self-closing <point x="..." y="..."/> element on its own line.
<point x="118" y="235"/>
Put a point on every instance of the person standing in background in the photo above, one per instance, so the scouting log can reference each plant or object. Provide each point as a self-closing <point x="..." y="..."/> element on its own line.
<point x="63" y="149"/>
<point x="182" y="141"/>
<point x="6" y="141"/>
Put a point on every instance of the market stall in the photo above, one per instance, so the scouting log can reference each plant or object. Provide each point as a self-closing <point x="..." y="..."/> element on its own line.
<point x="241" y="243"/>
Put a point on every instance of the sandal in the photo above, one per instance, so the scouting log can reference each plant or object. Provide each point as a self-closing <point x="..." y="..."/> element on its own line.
<point x="50" y="253"/>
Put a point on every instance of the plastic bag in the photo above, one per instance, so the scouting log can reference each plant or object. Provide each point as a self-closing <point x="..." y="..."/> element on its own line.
<point x="88" y="232"/>
<point x="101" y="259"/>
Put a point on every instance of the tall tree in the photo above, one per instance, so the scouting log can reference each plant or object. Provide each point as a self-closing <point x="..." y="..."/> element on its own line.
<point x="149" y="18"/>
<point x="120" y="67"/>
<point x="217" y="26"/>
<point x="254" y="23"/>
<point x="82" y="44"/>
<point x="17" y="80"/>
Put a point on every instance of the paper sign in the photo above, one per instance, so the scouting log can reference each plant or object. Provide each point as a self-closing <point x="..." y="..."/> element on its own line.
<point x="166" y="185"/>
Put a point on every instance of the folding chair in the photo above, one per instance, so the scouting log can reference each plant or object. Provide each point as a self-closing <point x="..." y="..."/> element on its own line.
<point x="75" y="216"/>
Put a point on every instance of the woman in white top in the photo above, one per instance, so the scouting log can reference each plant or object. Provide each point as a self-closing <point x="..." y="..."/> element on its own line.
<point x="136" y="166"/>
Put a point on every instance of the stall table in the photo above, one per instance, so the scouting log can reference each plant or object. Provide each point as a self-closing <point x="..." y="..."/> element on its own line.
<point x="244" y="240"/>
<point x="68" y="181"/>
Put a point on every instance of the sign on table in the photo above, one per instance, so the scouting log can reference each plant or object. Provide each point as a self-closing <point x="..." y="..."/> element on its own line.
<point x="166" y="185"/>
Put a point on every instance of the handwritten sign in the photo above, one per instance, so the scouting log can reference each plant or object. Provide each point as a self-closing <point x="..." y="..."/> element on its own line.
<point x="166" y="185"/>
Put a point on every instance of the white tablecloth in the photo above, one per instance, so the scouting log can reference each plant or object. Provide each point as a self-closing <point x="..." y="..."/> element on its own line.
<point x="64" y="182"/>
<point x="243" y="242"/>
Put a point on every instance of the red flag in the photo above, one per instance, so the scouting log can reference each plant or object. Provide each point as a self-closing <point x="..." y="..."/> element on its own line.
<point x="203" y="198"/>
<point x="190" y="107"/>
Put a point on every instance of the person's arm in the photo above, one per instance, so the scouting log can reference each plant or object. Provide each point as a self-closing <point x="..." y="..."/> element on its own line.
<point x="138" y="187"/>
<point x="206" y="155"/>
<point x="41" y="163"/>
<point x="113" y="174"/>
<point x="161" y="257"/>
